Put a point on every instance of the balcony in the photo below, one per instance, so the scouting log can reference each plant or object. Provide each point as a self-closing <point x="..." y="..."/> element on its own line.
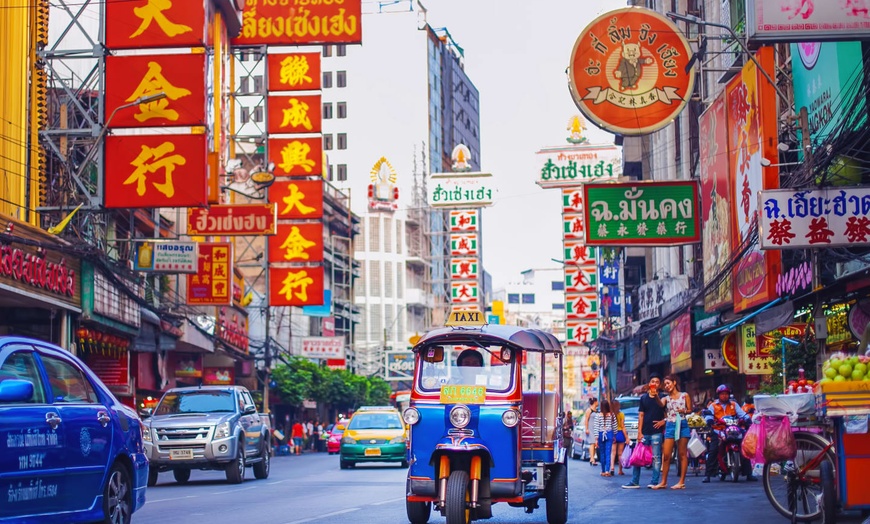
<point x="418" y="297"/>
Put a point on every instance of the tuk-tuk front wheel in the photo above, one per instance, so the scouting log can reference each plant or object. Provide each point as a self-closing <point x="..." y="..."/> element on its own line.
<point x="455" y="506"/>
<point x="418" y="512"/>
<point x="557" y="495"/>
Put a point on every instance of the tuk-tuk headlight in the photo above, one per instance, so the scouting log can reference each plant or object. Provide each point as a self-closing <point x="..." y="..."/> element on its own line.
<point x="460" y="416"/>
<point x="510" y="418"/>
<point x="411" y="416"/>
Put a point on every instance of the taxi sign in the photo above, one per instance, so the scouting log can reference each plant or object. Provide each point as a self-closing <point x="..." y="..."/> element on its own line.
<point x="452" y="394"/>
<point x="465" y="318"/>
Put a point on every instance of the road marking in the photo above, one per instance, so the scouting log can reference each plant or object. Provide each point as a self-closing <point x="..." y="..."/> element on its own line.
<point x="319" y="517"/>
<point x="172" y="498"/>
<point x="387" y="501"/>
<point x="232" y="490"/>
<point x="276" y="482"/>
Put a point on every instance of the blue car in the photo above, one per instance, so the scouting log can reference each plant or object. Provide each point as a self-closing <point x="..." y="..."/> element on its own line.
<point x="69" y="450"/>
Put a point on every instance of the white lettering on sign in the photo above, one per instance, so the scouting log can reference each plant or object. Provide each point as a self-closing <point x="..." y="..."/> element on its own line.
<point x="35" y="490"/>
<point x="31" y="438"/>
<point x="31" y="461"/>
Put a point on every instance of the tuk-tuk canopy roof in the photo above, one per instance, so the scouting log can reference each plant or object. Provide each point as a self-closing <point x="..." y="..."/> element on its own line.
<point x="493" y="335"/>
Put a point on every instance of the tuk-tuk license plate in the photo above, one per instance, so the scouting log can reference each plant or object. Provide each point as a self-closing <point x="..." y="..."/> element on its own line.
<point x="180" y="454"/>
<point x="373" y="452"/>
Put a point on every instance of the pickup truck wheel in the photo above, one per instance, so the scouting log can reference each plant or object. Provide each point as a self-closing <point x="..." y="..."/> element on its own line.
<point x="261" y="469"/>
<point x="181" y="475"/>
<point x="236" y="469"/>
<point x="152" y="477"/>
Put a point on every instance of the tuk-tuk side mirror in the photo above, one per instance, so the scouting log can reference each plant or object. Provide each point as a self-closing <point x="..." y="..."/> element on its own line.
<point x="505" y="355"/>
<point x="433" y="354"/>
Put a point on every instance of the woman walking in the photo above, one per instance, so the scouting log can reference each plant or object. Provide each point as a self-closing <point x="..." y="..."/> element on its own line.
<point x="677" y="405"/>
<point x="619" y="438"/>
<point x="605" y="427"/>
<point x="589" y="424"/>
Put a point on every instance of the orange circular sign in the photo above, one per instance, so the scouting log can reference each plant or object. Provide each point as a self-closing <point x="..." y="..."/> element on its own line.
<point x="628" y="71"/>
<point x="729" y="350"/>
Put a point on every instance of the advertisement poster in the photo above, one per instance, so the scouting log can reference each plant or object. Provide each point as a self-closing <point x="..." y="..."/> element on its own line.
<point x="218" y="376"/>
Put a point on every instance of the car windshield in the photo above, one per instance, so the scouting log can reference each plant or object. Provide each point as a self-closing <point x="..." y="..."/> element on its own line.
<point x="375" y="421"/>
<point x="629" y="403"/>
<point x="630" y="412"/>
<point x="495" y="374"/>
<point x="177" y="403"/>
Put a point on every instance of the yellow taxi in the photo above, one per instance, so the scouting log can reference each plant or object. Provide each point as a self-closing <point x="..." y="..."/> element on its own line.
<point x="374" y="434"/>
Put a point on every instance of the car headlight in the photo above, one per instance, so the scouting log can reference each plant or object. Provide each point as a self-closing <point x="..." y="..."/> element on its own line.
<point x="397" y="440"/>
<point x="460" y="416"/>
<point x="510" y="418"/>
<point x="223" y="430"/>
<point x="411" y="416"/>
<point x="146" y="432"/>
<point x="348" y="440"/>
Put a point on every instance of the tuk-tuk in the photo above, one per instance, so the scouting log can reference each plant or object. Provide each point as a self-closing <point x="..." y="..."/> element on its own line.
<point x="476" y="438"/>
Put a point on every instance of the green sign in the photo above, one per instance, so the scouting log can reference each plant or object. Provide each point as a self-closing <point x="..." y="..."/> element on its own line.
<point x="463" y="394"/>
<point x="642" y="214"/>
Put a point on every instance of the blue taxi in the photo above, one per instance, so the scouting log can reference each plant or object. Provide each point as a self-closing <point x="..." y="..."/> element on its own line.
<point x="69" y="450"/>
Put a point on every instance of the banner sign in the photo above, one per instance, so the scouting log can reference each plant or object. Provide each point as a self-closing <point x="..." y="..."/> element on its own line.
<point x="681" y="343"/>
<point x="767" y="342"/>
<point x="573" y="227"/>
<point x="580" y="332"/>
<point x="642" y="214"/>
<point x="826" y="217"/>
<point x="461" y="190"/>
<point x="232" y="328"/>
<point x="212" y="283"/>
<point x="188" y="365"/>
<point x="464" y="268"/>
<point x="629" y="71"/>
<point x="297" y="198"/>
<point x="166" y="257"/>
<point x="235" y="219"/>
<point x="293" y="72"/>
<point x="579" y="306"/>
<point x="568" y="166"/>
<point x="752" y="360"/>
<point x="137" y="25"/>
<point x="296" y="156"/>
<point x="399" y="365"/>
<point x="323" y="347"/>
<point x="578" y="254"/>
<point x="295" y="286"/>
<point x="294" y="114"/>
<point x="714" y="360"/>
<point x="463" y="244"/>
<point x="463" y="220"/>
<point x="267" y="22"/>
<point x="297" y="242"/>
<point x="464" y="292"/>
<point x="653" y="295"/>
<point x="581" y="279"/>
<point x="218" y="376"/>
<point x="807" y="21"/>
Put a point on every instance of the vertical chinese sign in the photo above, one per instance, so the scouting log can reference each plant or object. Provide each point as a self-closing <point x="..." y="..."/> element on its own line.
<point x="581" y="272"/>
<point x="464" y="257"/>
<point x="212" y="284"/>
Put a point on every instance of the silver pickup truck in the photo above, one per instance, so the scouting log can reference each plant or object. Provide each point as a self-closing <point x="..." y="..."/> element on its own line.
<point x="207" y="427"/>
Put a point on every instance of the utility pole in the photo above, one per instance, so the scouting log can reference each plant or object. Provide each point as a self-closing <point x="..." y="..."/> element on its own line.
<point x="267" y="377"/>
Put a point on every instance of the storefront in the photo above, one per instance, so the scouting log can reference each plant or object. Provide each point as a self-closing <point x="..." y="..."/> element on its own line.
<point x="40" y="285"/>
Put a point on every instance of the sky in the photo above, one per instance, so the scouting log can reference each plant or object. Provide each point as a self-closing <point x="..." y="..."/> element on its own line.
<point x="516" y="53"/>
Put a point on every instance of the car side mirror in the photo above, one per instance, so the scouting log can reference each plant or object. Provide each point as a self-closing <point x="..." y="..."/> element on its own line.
<point x="250" y="410"/>
<point x="14" y="390"/>
<point x="146" y="412"/>
<point x="433" y="354"/>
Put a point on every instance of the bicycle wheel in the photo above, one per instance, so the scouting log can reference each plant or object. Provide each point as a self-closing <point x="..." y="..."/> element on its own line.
<point x="794" y="496"/>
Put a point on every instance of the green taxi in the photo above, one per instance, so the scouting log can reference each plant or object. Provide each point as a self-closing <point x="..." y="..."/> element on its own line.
<point x="374" y="434"/>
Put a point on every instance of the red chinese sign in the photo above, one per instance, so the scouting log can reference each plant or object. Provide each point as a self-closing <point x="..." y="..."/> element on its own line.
<point x="232" y="328"/>
<point x="296" y="286"/>
<point x="113" y="370"/>
<point x="294" y="114"/>
<point x="236" y="219"/>
<point x="729" y="350"/>
<point x="298" y="198"/>
<point x="297" y="242"/>
<point x="267" y="22"/>
<point x="628" y="71"/>
<point x="222" y="376"/>
<point x="155" y="171"/>
<point x="155" y="23"/>
<point x="296" y="156"/>
<point x="293" y="72"/>
<point x="180" y="77"/>
<point x="212" y="283"/>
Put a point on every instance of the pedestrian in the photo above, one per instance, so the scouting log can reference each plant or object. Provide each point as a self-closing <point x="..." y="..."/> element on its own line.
<point x="620" y="437"/>
<point x="605" y="428"/>
<point x="650" y="431"/>
<point x="568" y="432"/>
<point x="298" y="436"/>
<point x="588" y="422"/>
<point x="677" y="405"/>
<point x="318" y="429"/>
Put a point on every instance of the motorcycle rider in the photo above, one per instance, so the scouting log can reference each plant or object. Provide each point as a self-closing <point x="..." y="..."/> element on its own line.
<point x="722" y="407"/>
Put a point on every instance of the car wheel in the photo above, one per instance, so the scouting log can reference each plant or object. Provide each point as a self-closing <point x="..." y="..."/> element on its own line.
<point x="181" y="475"/>
<point x="404" y="464"/>
<point x="118" y="497"/>
<point x="418" y="512"/>
<point x="343" y="464"/>
<point x="152" y="477"/>
<point x="236" y="469"/>
<point x="261" y="469"/>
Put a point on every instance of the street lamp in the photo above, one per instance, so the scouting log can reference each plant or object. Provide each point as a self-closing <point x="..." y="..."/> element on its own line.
<point x="783" y="341"/>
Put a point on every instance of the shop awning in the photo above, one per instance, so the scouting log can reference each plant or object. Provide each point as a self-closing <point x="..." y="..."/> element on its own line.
<point x="739" y="322"/>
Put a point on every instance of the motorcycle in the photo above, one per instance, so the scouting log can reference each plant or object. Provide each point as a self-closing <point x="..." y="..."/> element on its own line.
<point x="732" y="438"/>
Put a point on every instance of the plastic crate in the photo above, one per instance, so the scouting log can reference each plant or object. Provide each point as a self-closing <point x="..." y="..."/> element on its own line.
<point x="838" y="399"/>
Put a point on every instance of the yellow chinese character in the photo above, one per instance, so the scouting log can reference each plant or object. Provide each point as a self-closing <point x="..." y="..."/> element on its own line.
<point x="296" y="115"/>
<point x="160" y="161"/>
<point x="294" y="199"/>
<point x="294" y="70"/>
<point x="295" y="245"/>
<point x="153" y="12"/>
<point x="154" y="82"/>
<point x="299" y="280"/>
<point x="296" y="154"/>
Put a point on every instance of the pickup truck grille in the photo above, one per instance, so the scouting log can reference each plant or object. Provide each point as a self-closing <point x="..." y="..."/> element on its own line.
<point x="173" y="435"/>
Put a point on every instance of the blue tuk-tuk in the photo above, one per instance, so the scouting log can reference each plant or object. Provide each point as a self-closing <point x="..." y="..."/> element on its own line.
<point x="476" y="438"/>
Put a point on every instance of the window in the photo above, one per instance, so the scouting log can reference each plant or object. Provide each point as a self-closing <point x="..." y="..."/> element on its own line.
<point x="258" y="83"/>
<point x="22" y="366"/>
<point x="513" y="298"/>
<point x="528" y="298"/>
<point x="359" y="283"/>
<point x="327" y="51"/>
<point x="560" y="305"/>
<point x="400" y="282"/>
<point x="329" y="175"/>
<point x="341" y="50"/>
<point x="388" y="285"/>
<point x="327" y="79"/>
<point x="258" y="114"/>
<point x="341" y="79"/>
<point x="341" y="109"/>
<point x="342" y="172"/>
<point x="374" y="234"/>
<point x="327" y="142"/>
<point x="558" y="285"/>
<point x="388" y="235"/>
<point x="399" y="237"/>
<point x="244" y="84"/>
<point x="68" y="384"/>
<point x="375" y="288"/>
<point x="341" y="141"/>
<point x="245" y="115"/>
<point x="327" y="110"/>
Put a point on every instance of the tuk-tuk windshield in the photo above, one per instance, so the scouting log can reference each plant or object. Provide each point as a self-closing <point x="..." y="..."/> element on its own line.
<point x="465" y="365"/>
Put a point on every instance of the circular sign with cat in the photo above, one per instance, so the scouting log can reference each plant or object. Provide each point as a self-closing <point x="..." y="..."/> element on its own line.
<point x="628" y="71"/>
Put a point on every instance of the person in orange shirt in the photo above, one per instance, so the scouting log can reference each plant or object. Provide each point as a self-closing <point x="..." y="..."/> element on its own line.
<point x="725" y="407"/>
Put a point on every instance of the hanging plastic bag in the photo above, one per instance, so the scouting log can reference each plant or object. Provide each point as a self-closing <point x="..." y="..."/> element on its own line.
<point x="641" y="456"/>
<point x="855" y="424"/>
<point x="779" y="442"/>
<point x="750" y="448"/>
<point x="625" y="459"/>
<point x="696" y="447"/>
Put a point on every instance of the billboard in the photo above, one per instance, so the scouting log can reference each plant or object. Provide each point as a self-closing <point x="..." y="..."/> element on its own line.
<point x="297" y="242"/>
<point x="235" y="219"/>
<point x="461" y="190"/>
<point x="296" y="156"/>
<point x="323" y="347"/>
<point x="297" y="198"/>
<point x="267" y="22"/>
<point x="567" y="166"/>
<point x="293" y="72"/>
<point x="295" y="286"/>
<point x="807" y="20"/>
<point x="833" y="216"/>
<point x="399" y="365"/>
<point x="136" y="25"/>
<point x="294" y="114"/>
<point x="167" y="257"/>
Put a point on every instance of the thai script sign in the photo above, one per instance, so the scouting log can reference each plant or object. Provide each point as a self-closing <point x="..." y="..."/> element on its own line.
<point x="461" y="191"/>
<point x="237" y="219"/>
<point x="570" y="165"/>
<point x="295" y="286"/>
<point x="300" y="22"/>
<point x="752" y="360"/>
<point x="807" y="21"/>
<point x="767" y="342"/>
<point x="629" y="71"/>
<point x="135" y="25"/>
<point x="323" y="347"/>
<point x="293" y="72"/>
<point x="167" y="257"/>
<point x="212" y="283"/>
<point x="232" y="328"/>
<point x="399" y="365"/>
<point x="49" y="273"/>
<point x="654" y="213"/>
<point x="714" y="360"/>
<point x="822" y="218"/>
